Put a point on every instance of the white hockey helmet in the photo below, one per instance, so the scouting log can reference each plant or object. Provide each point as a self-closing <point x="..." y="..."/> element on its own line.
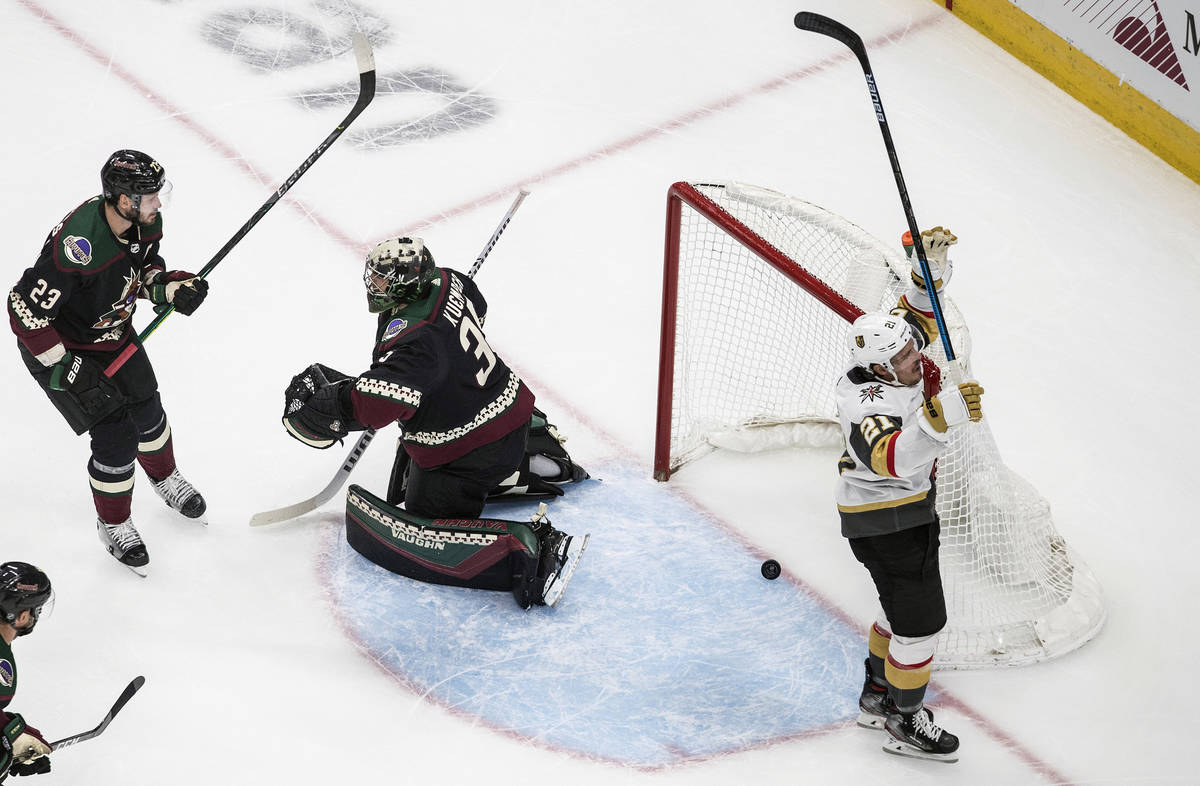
<point x="878" y="337"/>
<point x="398" y="270"/>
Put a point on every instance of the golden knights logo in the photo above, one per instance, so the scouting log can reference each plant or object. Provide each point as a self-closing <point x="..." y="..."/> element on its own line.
<point x="870" y="393"/>
<point x="122" y="309"/>
<point x="858" y="341"/>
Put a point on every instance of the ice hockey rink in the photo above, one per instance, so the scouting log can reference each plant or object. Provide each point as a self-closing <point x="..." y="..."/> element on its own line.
<point x="276" y="655"/>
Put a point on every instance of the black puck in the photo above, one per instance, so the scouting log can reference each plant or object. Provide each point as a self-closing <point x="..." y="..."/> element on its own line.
<point x="771" y="570"/>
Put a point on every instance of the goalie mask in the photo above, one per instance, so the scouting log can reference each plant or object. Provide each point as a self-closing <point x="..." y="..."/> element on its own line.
<point x="398" y="271"/>
<point x="23" y="588"/>
<point x="877" y="338"/>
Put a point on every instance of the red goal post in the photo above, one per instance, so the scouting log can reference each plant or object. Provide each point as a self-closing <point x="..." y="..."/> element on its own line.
<point x="757" y="290"/>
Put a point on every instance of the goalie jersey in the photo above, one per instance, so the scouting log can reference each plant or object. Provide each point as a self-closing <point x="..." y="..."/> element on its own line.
<point x="887" y="470"/>
<point x="434" y="372"/>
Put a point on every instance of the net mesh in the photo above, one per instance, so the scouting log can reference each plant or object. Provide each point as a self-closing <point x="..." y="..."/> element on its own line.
<point x="758" y="346"/>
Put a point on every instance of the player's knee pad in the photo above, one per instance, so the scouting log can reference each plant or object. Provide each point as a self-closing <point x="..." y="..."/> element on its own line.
<point x="147" y="414"/>
<point x="114" y="441"/>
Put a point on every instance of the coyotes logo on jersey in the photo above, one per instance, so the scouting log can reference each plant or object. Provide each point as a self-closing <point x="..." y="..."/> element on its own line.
<point x="122" y="308"/>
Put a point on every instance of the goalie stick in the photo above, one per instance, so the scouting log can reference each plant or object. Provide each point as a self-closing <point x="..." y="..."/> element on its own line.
<point x="816" y="23"/>
<point x="289" y="512"/>
<point x="366" y="92"/>
<point x="127" y="694"/>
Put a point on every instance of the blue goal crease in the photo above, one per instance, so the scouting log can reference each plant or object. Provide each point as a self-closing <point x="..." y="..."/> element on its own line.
<point x="667" y="647"/>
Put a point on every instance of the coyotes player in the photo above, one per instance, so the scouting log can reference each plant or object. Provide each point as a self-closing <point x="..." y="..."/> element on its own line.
<point x="71" y="315"/>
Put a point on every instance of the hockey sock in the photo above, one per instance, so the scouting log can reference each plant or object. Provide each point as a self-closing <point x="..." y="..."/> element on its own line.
<point x="156" y="451"/>
<point x="112" y="490"/>
<point x="878" y="641"/>
<point x="907" y="670"/>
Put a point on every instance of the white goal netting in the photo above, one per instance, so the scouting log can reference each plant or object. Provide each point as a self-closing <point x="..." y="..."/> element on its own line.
<point x="758" y="289"/>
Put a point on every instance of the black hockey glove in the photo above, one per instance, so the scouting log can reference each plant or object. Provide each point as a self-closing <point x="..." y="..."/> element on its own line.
<point x="38" y="766"/>
<point x="84" y="380"/>
<point x="185" y="291"/>
<point x="317" y="409"/>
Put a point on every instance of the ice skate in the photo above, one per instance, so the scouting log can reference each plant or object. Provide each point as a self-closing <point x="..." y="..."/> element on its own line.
<point x="125" y="544"/>
<point x="181" y="496"/>
<point x="559" y="557"/>
<point x="916" y="735"/>
<point x="873" y="704"/>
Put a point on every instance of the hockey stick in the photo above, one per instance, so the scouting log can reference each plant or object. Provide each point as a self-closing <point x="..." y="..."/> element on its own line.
<point x="312" y="503"/>
<point x="127" y="694"/>
<point x="806" y="20"/>
<point x="366" y="92"/>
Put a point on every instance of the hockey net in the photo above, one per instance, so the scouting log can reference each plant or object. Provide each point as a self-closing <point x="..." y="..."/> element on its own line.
<point x="758" y="288"/>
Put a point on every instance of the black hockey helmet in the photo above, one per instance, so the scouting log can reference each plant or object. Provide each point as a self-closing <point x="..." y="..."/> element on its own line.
<point x="23" y="588"/>
<point x="133" y="173"/>
<point x="399" y="270"/>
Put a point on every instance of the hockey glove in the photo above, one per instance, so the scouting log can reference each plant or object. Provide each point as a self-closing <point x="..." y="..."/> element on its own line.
<point x="937" y="242"/>
<point x="84" y="380"/>
<point x="25" y="747"/>
<point x="317" y="409"/>
<point x="185" y="291"/>
<point x="952" y="408"/>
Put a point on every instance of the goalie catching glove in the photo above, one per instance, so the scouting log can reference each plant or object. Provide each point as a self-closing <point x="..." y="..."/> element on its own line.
<point x="952" y="408"/>
<point x="317" y="408"/>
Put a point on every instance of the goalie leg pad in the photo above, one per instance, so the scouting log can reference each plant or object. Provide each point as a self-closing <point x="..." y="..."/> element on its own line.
<point x="489" y="554"/>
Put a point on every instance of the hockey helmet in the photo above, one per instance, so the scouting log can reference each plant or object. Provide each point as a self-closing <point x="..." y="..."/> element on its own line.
<point x="399" y="270"/>
<point x="23" y="588"/>
<point x="134" y="174"/>
<point x="878" y="337"/>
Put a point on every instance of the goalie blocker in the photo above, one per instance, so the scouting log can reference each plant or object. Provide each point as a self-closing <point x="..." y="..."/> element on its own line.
<point x="531" y="559"/>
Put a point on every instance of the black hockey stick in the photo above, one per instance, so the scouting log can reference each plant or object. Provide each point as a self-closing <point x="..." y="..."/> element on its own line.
<point x="339" y="478"/>
<point x="806" y="20"/>
<point x="127" y="694"/>
<point x="366" y="92"/>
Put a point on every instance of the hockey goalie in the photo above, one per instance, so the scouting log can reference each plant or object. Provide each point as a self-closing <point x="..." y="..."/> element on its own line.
<point x="470" y="433"/>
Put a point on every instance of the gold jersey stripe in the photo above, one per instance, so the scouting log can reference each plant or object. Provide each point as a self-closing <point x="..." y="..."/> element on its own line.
<point x="889" y="503"/>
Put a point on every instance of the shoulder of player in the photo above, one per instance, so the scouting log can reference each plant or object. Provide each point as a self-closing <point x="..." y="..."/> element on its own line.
<point x="860" y="396"/>
<point x="83" y="242"/>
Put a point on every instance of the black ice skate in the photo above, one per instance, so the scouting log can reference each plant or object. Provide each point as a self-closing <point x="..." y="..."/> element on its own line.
<point x="873" y="704"/>
<point x="559" y="557"/>
<point x="125" y="544"/>
<point x="916" y="735"/>
<point x="180" y="495"/>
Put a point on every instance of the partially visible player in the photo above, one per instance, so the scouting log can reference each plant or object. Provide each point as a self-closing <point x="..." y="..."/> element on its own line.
<point x="886" y="499"/>
<point x="24" y="592"/>
<point x="71" y="314"/>
<point x="466" y="420"/>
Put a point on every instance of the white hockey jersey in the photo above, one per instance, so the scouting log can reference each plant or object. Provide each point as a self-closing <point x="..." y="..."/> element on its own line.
<point x="886" y="472"/>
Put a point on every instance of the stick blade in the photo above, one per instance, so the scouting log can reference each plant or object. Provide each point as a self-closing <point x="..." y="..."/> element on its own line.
<point x="363" y="52"/>
<point x="818" y="23"/>
<point x="283" y="514"/>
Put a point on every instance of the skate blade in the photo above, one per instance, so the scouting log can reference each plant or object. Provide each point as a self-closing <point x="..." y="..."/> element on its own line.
<point x="142" y="571"/>
<point x="893" y="745"/>
<point x="555" y="592"/>
<point x="869" y="721"/>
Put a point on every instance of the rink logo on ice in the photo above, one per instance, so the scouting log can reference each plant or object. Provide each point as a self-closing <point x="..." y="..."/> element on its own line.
<point x="78" y="249"/>
<point x="645" y="664"/>
<point x="6" y="673"/>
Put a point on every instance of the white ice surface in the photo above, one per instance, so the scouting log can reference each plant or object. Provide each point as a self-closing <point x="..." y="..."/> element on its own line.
<point x="1077" y="271"/>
